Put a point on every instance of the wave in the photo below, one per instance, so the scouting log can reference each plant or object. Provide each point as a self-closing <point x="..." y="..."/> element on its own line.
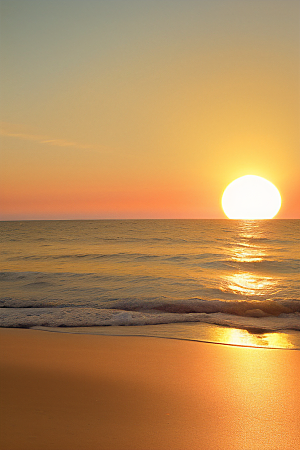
<point x="284" y="266"/>
<point x="251" y="315"/>
<point x="89" y="317"/>
<point x="247" y="308"/>
<point x="211" y="261"/>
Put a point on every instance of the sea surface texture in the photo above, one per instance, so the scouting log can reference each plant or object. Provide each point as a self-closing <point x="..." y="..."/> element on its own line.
<point x="242" y="275"/>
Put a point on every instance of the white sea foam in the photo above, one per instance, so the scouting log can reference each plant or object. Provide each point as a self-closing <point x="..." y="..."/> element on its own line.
<point x="88" y="317"/>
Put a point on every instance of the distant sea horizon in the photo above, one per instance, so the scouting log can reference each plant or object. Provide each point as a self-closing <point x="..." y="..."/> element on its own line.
<point x="141" y="218"/>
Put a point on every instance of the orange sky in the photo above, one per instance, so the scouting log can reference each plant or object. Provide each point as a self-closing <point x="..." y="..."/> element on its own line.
<point x="146" y="109"/>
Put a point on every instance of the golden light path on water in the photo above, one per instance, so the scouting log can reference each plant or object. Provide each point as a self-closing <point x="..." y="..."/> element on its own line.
<point x="249" y="249"/>
<point x="248" y="284"/>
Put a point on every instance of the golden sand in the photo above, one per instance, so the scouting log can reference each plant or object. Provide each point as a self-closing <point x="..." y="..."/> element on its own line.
<point x="84" y="392"/>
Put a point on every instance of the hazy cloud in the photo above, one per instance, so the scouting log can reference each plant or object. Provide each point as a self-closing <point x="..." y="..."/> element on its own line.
<point x="15" y="131"/>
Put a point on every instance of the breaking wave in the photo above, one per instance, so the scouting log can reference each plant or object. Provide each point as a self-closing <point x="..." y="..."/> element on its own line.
<point x="264" y="315"/>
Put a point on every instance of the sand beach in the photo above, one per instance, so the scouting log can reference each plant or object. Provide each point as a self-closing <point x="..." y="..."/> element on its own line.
<point x="85" y="392"/>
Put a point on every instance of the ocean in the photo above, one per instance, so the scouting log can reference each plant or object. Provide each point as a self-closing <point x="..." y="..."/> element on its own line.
<point x="227" y="281"/>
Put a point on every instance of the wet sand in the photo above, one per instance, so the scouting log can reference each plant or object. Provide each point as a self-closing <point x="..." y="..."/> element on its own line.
<point x="80" y="392"/>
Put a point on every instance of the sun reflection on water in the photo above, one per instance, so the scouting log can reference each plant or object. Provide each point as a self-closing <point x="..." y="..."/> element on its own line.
<point x="250" y="247"/>
<point x="247" y="253"/>
<point x="249" y="244"/>
<point x="249" y="284"/>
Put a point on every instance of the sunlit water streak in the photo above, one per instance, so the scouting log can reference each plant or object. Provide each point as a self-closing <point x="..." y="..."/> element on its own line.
<point x="175" y="275"/>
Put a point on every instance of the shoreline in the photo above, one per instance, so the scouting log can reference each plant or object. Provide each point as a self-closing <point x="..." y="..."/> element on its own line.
<point x="195" y="332"/>
<point x="63" y="390"/>
<point x="95" y="332"/>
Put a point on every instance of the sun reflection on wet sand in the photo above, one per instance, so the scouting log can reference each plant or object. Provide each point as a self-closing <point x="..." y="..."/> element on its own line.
<point x="201" y="332"/>
<point x="239" y="337"/>
<point x="267" y="414"/>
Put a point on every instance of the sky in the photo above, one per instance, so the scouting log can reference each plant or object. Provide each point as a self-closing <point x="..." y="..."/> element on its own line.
<point x="146" y="108"/>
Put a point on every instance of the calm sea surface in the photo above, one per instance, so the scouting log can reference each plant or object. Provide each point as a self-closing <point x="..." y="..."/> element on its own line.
<point x="215" y="280"/>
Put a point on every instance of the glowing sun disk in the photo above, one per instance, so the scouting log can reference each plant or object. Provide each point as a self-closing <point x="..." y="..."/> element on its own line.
<point x="251" y="197"/>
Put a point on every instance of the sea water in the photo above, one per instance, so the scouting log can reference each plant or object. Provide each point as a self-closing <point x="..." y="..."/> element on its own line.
<point x="226" y="281"/>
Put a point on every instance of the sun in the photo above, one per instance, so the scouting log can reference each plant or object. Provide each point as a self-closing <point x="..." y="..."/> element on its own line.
<point x="250" y="198"/>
